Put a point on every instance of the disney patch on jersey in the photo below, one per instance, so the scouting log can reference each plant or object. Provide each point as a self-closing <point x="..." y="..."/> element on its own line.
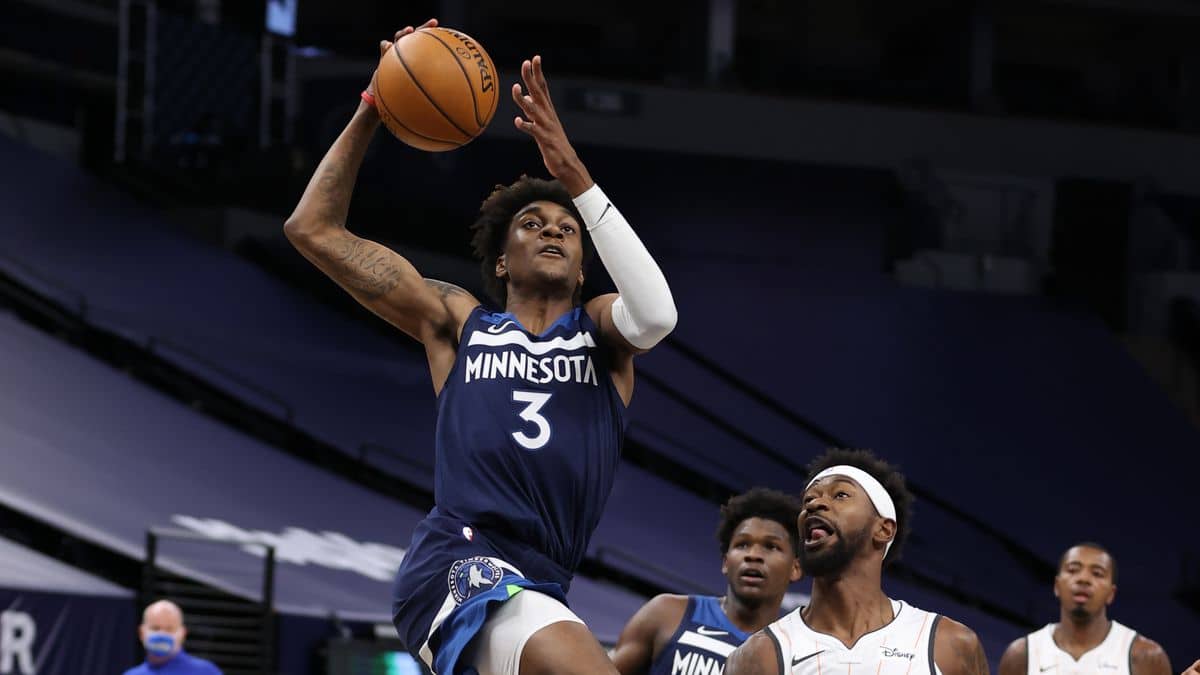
<point x="472" y="575"/>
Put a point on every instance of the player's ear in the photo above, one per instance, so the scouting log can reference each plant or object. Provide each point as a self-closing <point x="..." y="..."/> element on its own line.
<point x="581" y="277"/>
<point x="886" y="531"/>
<point x="501" y="266"/>
<point x="1112" y="595"/>
<point x="797" y="574"/>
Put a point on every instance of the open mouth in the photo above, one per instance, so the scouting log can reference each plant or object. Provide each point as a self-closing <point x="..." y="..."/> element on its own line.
<point x="816" y="530"/>
<point x="752" y="576"/>
<point x="553" y="251"/>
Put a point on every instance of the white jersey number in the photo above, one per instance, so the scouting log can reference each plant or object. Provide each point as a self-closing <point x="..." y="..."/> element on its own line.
<point x="536" y="400"/>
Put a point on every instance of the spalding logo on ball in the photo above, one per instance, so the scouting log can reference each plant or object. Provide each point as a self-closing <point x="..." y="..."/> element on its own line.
<point x="436" y="89"/>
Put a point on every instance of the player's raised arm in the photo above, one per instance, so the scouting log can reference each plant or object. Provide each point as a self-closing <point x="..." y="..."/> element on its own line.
<point x="642" y="312"/>
<point x="379" y="278"/>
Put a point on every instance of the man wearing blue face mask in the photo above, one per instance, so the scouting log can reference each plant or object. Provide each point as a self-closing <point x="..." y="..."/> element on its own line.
<point x="162" y="633"/>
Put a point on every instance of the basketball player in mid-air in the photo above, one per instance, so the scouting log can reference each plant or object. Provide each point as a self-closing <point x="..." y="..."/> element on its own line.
<point x="1085" y="640"/>
<point x="855" y="519"/>
<point x="694" y="634"/>
<point x="531" y="400"/>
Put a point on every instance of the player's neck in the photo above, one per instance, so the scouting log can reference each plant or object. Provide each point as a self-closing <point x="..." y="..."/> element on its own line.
<point x="1073" y="634"/>
<point x="537" y="312"/>
<point x="750" y="618"/>
<point x="850" y="604"/>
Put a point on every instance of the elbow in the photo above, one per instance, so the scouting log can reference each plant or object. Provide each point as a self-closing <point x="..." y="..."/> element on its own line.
<point x="658" y="330"/>
<point x="652" y="327"/>
<point x="646" y="325"/>
<point x="300" y="232"/>
<point x="665" y="316"/>
<point x="664" y="320"/>
<point x="294" y="229"/>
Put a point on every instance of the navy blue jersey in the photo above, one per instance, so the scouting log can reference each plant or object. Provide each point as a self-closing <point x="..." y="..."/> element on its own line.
<point x="704" y="639"/>
<point x="529" y="433"/>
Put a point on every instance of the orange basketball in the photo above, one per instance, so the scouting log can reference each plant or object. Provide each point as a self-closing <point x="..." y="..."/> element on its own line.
<point x="436" y="89"/>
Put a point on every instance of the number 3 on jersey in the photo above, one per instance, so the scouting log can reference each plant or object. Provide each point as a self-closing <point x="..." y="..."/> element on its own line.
<point x="535" y="401"/>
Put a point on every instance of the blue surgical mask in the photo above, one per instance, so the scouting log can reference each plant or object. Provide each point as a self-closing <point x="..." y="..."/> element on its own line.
<point x="160" y="644"/>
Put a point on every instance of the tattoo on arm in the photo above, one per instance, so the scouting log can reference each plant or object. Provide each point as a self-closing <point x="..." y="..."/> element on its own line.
<point x="338" y="171"/>
<point x="445" y="290"/>
<point x="367" y="267"/>
<point x="331" y="192"/>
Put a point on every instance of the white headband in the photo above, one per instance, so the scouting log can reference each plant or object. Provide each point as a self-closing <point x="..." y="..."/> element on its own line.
<point x="879" y="497"/>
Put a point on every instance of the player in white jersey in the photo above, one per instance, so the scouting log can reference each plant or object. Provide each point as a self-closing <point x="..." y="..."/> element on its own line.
<point x="855" y="519"/>
<point x="1085" y="641"/>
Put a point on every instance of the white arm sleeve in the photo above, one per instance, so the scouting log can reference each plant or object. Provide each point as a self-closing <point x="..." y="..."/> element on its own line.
<point x="645" y="312"/>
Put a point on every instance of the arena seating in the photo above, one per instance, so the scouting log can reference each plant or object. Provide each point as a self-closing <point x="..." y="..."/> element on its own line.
<point x="23" y="569"/>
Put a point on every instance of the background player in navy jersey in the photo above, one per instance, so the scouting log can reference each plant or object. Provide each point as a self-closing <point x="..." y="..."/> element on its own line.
<point x="1085" y="639"/>
<point x="759" y="543"/>
<point x="855" y="518"/>
<point x="531" y="400"/>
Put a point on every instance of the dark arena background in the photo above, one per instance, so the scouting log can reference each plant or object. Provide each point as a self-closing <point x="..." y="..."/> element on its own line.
<point x="964" y="234"/>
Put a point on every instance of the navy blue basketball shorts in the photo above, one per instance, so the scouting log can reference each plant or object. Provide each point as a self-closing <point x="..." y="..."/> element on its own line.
<point x="453" y="580"/>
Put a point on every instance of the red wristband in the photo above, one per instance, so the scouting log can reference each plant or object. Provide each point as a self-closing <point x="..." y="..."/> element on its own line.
<point x="368" y="97"/>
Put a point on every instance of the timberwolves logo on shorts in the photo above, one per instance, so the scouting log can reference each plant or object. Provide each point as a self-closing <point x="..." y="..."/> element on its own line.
<point x="473" y="575"/>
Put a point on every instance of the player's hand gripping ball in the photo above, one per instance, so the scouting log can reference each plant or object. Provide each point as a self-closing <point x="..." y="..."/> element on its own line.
<point x="436" y="88"/>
